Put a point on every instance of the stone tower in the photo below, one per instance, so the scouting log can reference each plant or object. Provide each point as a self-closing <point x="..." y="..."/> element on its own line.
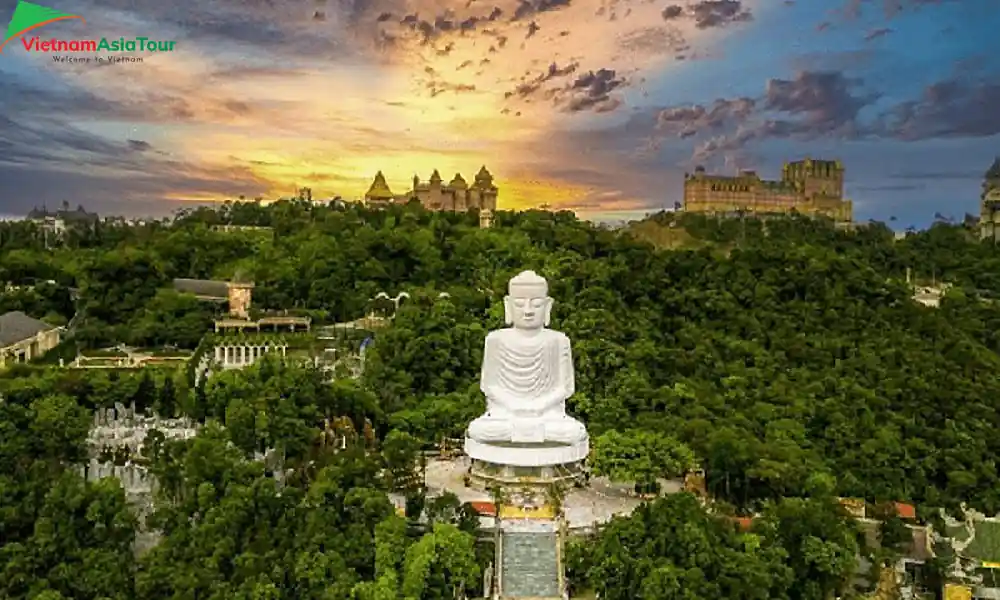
<point x="824" y="178"/>
<point x="486" y="190"/>
<point x="461" y="195"/>
<point x="989" y="202"/>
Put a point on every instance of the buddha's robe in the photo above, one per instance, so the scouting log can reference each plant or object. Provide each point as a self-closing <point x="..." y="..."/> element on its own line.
<point x="527" y="378"/>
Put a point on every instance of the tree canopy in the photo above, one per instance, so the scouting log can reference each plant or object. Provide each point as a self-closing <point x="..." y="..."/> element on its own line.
<point x="786" y="358"/>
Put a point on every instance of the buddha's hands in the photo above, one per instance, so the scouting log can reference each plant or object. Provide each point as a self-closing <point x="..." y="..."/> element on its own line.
<point x="516" y="409"/>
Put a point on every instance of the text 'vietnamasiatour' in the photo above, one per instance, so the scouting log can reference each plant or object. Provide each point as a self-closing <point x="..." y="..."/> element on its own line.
<point x="140" y="44"/>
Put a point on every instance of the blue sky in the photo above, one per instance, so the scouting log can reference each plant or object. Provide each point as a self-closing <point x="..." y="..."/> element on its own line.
<point x="598" y="105"/>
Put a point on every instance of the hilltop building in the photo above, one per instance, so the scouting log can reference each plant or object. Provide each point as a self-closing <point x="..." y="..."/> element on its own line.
<point x="808" y="187"/>
<point x="60" y="220"/>
<point x="989" y="202"/>
<point x="457" y="195"/>
<point x="23" y="338"/>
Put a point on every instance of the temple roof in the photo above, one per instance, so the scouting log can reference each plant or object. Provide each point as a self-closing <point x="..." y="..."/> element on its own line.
<point x="484" y="174"/>
<point x="435" y="176"/>
<point x="458" y="181"/>
<point x="379" y="189"/>
<point x="994" y="171"/>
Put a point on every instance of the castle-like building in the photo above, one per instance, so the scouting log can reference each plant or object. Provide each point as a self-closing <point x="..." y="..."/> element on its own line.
<point x="809" y="187"/>
<point x="989" y="203"/>
<point x="456" y="195"/>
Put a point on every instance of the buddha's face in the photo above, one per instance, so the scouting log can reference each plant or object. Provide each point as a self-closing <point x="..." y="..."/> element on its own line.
<point x="527" y="312"/>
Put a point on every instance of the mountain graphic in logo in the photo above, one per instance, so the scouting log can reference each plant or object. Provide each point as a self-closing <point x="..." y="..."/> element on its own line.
<point x="28" y="16"/>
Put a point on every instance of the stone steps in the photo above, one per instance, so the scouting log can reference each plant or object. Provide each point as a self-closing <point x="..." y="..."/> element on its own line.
<point x="530" y="566"/>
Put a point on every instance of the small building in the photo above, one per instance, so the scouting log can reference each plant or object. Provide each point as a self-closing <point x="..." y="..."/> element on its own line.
<point x="23" y="338"/>
<point x="57" y="222"/>
<point x="237" y="293"/>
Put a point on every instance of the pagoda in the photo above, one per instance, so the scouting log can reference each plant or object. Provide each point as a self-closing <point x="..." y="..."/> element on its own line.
<point x="379" y="192"/>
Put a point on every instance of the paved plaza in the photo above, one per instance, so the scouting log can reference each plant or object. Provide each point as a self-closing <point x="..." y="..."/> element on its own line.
<point x="584" y="507"/>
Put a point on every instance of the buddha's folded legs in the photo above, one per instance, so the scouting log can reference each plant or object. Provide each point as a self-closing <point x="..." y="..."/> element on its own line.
<point x="565" y="429"/>
<point x="491" y="429"/>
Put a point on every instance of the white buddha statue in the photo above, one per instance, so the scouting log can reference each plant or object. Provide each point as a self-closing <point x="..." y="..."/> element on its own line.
<point x="527" y="374"/>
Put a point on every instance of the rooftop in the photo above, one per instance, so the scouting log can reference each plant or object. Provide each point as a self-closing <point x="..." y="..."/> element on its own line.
<point x="203" y="288"/>
<point x="379" y="189"/>
<point x="16" y="327"/>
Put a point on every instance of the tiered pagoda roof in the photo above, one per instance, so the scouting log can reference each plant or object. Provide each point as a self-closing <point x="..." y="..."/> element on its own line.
<point x="379" y="189"/>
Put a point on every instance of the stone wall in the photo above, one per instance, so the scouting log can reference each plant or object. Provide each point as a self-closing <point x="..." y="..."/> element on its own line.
<point x="122" y="427"/>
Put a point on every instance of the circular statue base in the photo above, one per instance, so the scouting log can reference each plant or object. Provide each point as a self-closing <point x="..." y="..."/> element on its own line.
<point x="530" y="469"/>
<point x="527" y="454"/>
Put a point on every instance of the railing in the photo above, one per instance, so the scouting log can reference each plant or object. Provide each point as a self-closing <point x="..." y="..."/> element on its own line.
<point x="498" y="574"/>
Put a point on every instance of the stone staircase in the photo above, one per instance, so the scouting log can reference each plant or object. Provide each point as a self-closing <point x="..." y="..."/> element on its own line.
<point x="529" y="565"/>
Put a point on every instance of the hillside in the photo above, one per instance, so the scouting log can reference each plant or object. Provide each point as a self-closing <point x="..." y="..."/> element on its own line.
<point x="792" y="367"/>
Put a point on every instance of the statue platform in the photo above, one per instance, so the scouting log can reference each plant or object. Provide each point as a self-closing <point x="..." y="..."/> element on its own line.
<point x="527" y="455"/>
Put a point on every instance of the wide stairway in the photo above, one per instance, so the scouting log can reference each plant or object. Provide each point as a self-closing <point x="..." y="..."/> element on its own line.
<point x="530" y="566"/>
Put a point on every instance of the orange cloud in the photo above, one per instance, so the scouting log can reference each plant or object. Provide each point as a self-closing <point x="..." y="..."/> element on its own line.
<point x="390" y="94"/>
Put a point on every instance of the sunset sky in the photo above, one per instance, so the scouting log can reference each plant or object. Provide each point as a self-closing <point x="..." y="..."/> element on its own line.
<point x="598" y="106"/>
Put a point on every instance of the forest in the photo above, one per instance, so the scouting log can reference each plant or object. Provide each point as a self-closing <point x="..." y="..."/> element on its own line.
<point x="785" y="358"/>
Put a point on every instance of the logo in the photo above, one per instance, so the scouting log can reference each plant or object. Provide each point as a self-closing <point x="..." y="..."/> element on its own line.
<point x="28" y="17"/>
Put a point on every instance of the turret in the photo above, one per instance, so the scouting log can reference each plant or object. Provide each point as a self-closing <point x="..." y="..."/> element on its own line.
<point x="458" y="182"/>
<point x="991" y="179"/>
<point x="484" y="178"/>
<point x="379" y="190"/>
<point x="435" y="178"/>
<point x="994" y="171"/>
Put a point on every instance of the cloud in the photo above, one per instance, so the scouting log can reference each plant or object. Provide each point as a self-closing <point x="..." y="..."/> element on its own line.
<point x="826" y="100"/>
<point x="674" y="11"/>
<point x="831" y="105"/>
<point x="686" y="121"/>
<point x="139" y="145"/>
<point x="949" y="108"/>
<point x="807" y="106"/>
<point x="709" y="13"/>
<point x="439" y="87"/>
<point x="591" y="91"/>
<point x="526" y="8"/>
<point x="148" y="193"/>
<point x="530" y="87"/>
<point x="855" y="9"/>
<point x="874" y="34"/>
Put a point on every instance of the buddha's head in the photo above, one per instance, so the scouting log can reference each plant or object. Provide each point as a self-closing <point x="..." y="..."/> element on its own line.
<point x="527" y="304"/>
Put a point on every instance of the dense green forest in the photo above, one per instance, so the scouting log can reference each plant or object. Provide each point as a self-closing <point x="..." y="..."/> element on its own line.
<point x="785" y="358"/>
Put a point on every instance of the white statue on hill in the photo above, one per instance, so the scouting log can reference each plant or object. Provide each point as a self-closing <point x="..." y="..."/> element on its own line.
<point x="527" y="375"/>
